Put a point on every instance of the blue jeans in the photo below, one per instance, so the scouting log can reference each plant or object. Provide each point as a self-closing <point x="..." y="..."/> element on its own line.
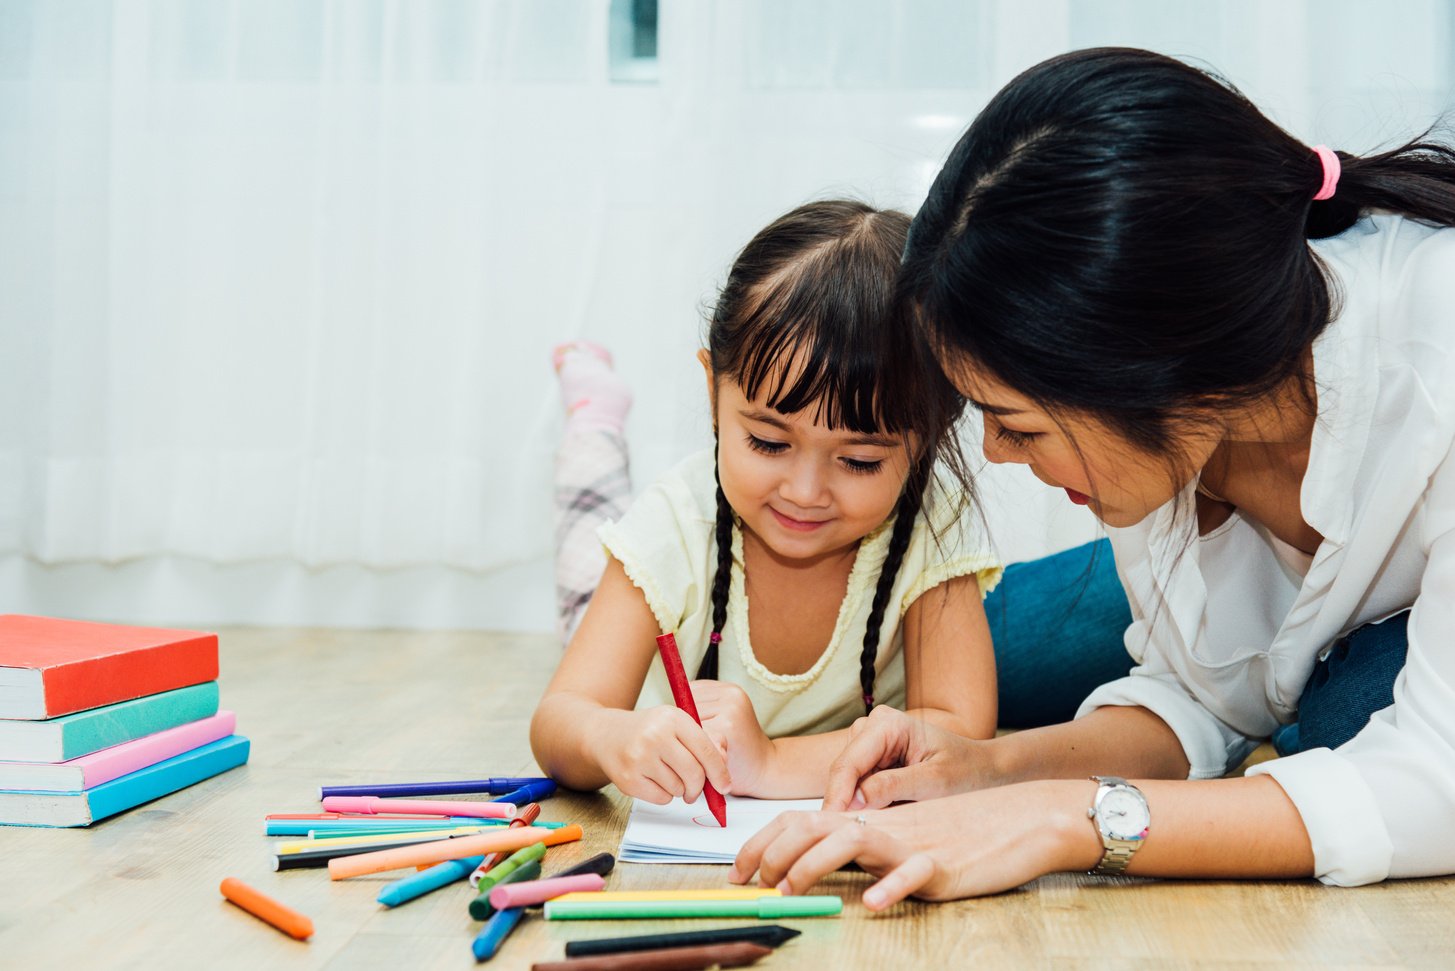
<point x="1350" y="684"/>
<point x="1057" y="625"/>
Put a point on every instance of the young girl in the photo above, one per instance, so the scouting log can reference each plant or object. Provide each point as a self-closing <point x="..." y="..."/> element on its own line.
<point x="811" y="565"/>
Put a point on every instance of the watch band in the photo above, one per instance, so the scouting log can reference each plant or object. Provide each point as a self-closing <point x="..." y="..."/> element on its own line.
<point x="1116" y="853"/>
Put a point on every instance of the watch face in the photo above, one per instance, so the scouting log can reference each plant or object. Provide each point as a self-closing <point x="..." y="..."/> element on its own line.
<point x="1123" y="814"/>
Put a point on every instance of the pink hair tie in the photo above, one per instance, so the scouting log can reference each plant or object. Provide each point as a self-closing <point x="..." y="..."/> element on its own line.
<point x="715" y="637"/>
<point x="1330" y="162"/>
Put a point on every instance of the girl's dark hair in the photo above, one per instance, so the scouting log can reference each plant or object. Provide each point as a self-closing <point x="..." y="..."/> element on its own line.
<point x="1124" y="235"/>
<point x="806" y="321"/>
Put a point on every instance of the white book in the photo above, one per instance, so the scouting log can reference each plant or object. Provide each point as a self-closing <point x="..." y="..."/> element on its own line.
<point x="682" y="832"/>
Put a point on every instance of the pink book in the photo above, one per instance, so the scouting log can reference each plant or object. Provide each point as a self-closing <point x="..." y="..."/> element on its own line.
<point x="91" y="770"/>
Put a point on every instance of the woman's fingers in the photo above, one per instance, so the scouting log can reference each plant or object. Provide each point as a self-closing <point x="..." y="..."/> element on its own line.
<point x="846" y="842"/>
<point x="910" y="876"/>
<point x="746" y="863"/>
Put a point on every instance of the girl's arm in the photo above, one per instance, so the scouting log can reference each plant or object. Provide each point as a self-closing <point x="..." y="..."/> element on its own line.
<point x="585" y="734"/>
<point x="949" y="670"/>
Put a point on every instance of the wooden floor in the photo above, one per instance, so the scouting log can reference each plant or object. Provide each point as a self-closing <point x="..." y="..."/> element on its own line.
<point x="140" y="890"/>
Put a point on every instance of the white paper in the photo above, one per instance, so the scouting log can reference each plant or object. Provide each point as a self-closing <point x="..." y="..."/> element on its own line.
<point x="686" y="833"/>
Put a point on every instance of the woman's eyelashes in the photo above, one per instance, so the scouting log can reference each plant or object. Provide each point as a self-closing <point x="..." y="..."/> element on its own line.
<point x="1014" y="438"/>
<point x="856" y="466"/>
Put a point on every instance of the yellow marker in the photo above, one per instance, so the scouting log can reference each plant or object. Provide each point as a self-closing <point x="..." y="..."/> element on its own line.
<point x="341" y="842"/>
<point x="607" y="896"/>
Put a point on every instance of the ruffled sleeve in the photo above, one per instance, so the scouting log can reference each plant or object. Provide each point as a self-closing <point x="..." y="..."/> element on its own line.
<point x="665" y="541"/>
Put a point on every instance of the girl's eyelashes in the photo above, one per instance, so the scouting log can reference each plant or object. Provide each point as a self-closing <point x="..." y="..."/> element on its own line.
<point x="863" y="467"/>
<point x="856" y="466"/>
<point x="766" y="447"/>
<point x="1014" y="438"/>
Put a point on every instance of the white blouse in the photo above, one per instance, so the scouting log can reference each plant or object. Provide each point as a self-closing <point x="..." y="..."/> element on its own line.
<point x="1227" y="627"/>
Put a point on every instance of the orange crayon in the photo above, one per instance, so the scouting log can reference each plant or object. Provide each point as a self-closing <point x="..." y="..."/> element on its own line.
<point x="438" y="851"/>
<point x="265" y="908"/>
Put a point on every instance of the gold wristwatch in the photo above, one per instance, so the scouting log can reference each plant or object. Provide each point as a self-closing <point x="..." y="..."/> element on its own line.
<point x="1122" y="820"/>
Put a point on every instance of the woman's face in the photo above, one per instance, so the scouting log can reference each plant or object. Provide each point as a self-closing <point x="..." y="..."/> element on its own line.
<point x="1097" y="468"/>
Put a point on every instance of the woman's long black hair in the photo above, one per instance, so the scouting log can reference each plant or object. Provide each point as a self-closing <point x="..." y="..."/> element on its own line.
<point x="806" y="320"/>
<point x="1123" y="235"/>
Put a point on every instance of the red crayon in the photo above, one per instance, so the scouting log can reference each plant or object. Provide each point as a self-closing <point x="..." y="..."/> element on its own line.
<point x="682" y="695"/>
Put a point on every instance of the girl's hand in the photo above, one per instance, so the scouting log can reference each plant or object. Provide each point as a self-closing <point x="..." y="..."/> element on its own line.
<point x="893" y="757"/>
<point x="961" y="846"/>
<point x="728" y="716"/>
<point x="656" y="754"/>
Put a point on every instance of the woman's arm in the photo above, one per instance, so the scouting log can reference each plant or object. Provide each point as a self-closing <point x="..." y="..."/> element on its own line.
<point x="894" y="757"/>
<point x="585" y="734"/>
<point x="995" y="839"/>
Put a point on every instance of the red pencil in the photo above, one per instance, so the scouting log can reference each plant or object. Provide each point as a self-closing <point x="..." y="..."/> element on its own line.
<point x="682" y="695"/>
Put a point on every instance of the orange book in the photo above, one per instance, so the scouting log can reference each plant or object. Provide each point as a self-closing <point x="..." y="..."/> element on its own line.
<point x="52" y="667"/>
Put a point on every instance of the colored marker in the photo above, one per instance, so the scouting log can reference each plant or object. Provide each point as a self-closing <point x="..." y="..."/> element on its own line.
<point x="458" y="788"/>
<point x="544" y="789"/>
<point x="682" y="695"/>
<point x="501" y="923"/>
<point x="506" y="838"/>
<point x="767" y="935"/>
<point x="520" y="894"/>
<point x="481" y="908"/>
<point x="728" y="893"/>
<point x="339" y="842"/>
<point x="760" y="907"/>
<point x="602" y="863"/>
<point x="365" y="825"/>
<point x="736" y="955"/>
<point x="265" y="908"/>
<point x="373" y="804"/>
<point x="426" y="881"/>
<point x="526" y="817"/>
<point x="404" y="816"/>
<point x="309" y="859"/>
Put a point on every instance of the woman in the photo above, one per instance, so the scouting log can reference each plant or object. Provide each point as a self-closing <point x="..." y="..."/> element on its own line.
<point x="1236" y="349"/>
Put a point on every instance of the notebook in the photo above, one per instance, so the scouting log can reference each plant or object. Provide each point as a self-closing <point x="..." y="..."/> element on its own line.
<point x="52" y="667"/>
<point x="29" y="808"/>
<point x="92" y="770"/>
<point x="83" y="732"/>
<point x="686" y="832"/>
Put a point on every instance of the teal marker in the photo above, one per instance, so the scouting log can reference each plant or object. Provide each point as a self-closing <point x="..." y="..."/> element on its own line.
<point x="760" y="907"/>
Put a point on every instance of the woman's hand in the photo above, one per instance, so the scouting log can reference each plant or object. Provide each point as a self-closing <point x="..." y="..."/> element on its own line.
<point x="961" y="846"/>
<point x="894" y="757"/>
<point x="656" y="754"/>
<point x="732" y="724"/>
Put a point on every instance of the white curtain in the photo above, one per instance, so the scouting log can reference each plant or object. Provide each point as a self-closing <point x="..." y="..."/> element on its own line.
<point x="279" y="278"/>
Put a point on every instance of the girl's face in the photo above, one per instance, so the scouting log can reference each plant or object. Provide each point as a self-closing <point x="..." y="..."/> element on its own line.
<point x="804" y="489"/>
<point x="1096" y="467"/>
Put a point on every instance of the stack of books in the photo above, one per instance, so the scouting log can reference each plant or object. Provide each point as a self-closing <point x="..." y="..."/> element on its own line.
<point x="98" y="718"/>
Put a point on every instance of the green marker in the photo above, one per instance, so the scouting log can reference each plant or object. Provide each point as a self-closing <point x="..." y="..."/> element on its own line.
<point x="760" y="907"/>
<point x="480" y="908"/>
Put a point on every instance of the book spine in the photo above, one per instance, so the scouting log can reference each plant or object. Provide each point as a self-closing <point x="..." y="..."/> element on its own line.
<point x="128" y="757"/>
<point x="158" y="780"/>
<point x="120" y="677"/>
<point x="99" y="728"/>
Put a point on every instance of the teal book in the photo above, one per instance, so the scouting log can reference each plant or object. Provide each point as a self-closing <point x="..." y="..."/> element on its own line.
<point x="29" y="808"/>
<point x="71" y="736"/>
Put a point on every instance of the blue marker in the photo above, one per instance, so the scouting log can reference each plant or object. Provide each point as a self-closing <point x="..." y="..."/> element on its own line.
<point x="530" y="792"/>
<point x="421" y="883"/>
<point x="497" y="928"/>
<point x="459" y="787"/>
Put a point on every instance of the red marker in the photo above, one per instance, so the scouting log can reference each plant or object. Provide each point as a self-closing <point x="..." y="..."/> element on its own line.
<point x="682" y="695"/>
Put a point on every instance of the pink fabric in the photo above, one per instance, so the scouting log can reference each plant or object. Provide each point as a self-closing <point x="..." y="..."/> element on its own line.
<point x="1330" y="162"/>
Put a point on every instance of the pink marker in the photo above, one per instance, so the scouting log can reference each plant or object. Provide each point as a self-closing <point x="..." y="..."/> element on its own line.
<point x="438" y="807"/>
<point x="531" y="892"/>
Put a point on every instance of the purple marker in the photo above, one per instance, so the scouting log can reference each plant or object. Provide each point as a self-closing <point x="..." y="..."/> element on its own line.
<point x="463" y="786"/>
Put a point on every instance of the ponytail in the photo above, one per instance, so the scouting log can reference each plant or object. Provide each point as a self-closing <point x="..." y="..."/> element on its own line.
<point x="1416" y="180"/>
